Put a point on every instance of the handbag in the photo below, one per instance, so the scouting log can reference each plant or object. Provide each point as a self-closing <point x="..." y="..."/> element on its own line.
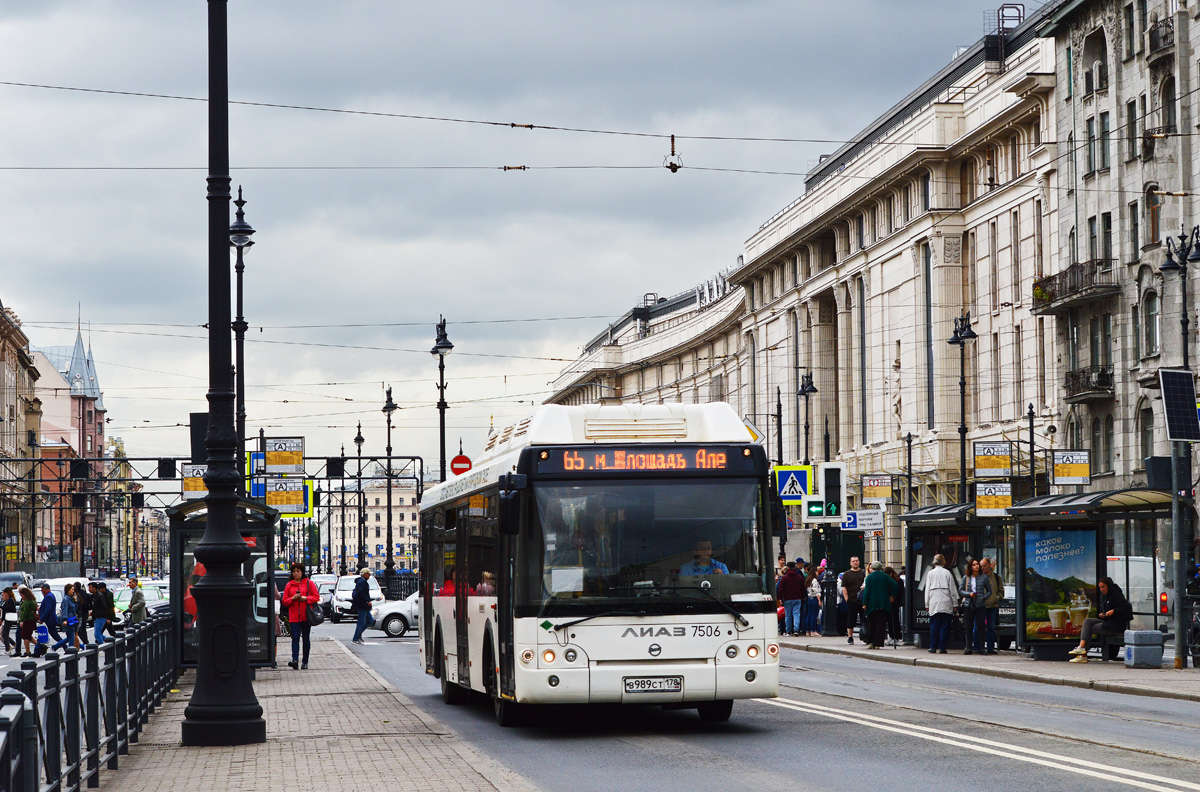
<point x="314" y="614"/>
<point x="10" y="617"/>
<point x="43" y="635"/>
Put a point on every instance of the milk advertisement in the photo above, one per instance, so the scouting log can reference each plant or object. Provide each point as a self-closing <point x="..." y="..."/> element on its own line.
<point x="1060" y="582"/>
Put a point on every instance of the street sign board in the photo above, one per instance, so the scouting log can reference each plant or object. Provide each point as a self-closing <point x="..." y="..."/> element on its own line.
<point x="755" y="435"/>
<point x="876" y="489"/>
<point x="993" y="460"/>
<point x="193" y="482"/>
<point x="284" y="455"/>
<point x="864" y="520"/>
<point x="793" y="482"/>
<point x="288" y="496"/>
<point x="993" y="499"/>
<point x="1070" y="466"/>
<point x="460" y="464"/>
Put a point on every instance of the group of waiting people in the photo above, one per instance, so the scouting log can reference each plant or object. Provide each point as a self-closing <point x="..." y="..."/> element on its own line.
<point x="878" y="598"/>
<point x="976" y="600"/>
<point x="799" y="590"/>
<point x="78" y="602"/>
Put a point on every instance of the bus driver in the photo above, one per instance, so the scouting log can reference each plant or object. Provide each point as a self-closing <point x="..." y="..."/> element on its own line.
<point x="703" y="563"/>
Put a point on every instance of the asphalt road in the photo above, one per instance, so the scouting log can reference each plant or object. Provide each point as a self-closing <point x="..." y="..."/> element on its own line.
<point x="839" y="722"/>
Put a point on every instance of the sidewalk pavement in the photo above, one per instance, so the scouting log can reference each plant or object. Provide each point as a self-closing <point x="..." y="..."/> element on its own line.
<point x="1112" y="677"/>
<point x="337" y="725"/>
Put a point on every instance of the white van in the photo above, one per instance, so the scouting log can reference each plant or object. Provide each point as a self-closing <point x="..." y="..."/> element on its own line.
<point x="1144" y="583"/>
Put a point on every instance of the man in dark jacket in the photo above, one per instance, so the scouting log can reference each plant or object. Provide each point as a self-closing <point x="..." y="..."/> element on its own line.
<point x="48" y="612"/>
<point x="792" y="593"/>
<point x="360" y="600"/>
<point x="99" y="610"/>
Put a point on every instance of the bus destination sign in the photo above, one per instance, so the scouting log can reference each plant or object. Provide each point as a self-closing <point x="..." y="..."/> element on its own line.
<point x="609" y="459"/>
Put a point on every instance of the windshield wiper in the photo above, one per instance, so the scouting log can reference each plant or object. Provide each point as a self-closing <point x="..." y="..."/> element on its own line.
<point x="742" y="620"/>
<point x="568" y="625"/>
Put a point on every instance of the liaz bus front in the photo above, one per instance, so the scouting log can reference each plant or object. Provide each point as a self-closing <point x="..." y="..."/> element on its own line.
<point x="642" y="575"/>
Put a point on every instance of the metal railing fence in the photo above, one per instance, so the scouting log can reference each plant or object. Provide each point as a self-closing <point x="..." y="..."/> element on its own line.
<point x="68" y="715"/>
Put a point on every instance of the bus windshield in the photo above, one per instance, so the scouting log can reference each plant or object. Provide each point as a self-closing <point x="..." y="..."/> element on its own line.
<point x="649" y="543"/>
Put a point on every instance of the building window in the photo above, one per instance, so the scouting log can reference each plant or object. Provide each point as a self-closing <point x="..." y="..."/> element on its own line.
<point x="1106" y="245"/>
<point x="1135" y="245"/>
<point x="1039" y="251"/>
<point x="905" y="203"/>
<point x="1097" y="445"/>
<point x="996" y="376"/>
<point x="414" y="516"/>
<point x="1040" y="355"/>
<point x="1130" y="33"/>
<point x="1147" y="434"/>
<point x="1136" y="334"/>
<point x="926" y="192"/>
<point x="1015" y="242"/>
<point x="1014" y="156"/>
<point x="401" y="516"/>
<point x="1131" y="127"/>
<point x="1018" y="376"/>
<point x="1091" y="146"/>
<point x="966" y="182"/>
<point x="994" y="265"/>
<point x="1104" y="136"/>
<point x="1168" y="102"/>
<point x="861" y="228"/>
<point x="377" y="501"/>
<point x="1092" y="239"/>
<point x="1150" y="323"/>
<point x="1108" y="437"/>
<point x="376" y="531"/>
<point x="930" y="412"/>
<point x="1153" y="209"/>
<point x="376" y="516"/>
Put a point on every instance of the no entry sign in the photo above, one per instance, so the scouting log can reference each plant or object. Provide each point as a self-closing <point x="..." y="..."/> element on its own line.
<point x="460" y="464"/>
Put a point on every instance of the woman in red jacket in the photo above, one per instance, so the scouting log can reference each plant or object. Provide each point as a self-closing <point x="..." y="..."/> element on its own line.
<point x="298" y="594"/>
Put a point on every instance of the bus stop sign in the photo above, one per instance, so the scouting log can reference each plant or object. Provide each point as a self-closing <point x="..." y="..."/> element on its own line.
<point x="460" y="464"/>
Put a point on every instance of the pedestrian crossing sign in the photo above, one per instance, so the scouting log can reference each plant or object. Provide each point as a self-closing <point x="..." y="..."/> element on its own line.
<point x="793" y="482"/>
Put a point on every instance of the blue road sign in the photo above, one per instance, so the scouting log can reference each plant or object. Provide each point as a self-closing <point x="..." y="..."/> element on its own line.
<point x="793" y="483"/>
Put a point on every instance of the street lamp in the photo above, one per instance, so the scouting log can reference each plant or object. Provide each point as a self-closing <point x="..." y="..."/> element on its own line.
<point x="239" y="237"/>
<point x="389" y="407"/>
<point x="962" y="334"/>
<point x="362" y="512"/>
<point x="441" y="348"/>
<point x="1179" y="254"/>
<point x="223" y="709"/>
<point x="807" y="389"/>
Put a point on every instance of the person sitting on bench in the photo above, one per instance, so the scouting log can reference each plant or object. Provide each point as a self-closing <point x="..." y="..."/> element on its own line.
<point x="1115" y="613"/>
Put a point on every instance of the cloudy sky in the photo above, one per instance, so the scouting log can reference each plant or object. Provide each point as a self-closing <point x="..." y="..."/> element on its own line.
<point x="371" y="225"/>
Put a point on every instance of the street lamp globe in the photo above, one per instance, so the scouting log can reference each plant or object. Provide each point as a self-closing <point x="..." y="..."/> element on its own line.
<point x="239" y="230"/>
<point x="358" y="438"/>
<point x="442" y="346"/>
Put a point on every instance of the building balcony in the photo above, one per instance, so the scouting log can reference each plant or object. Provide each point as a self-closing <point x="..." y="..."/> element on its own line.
<point x="1162" y="39"/>
<point x="1154" y="134"/>
<point x="1090" y="383"/>
<point x="1079" y="283"/>
<point x="1095" y="80"/>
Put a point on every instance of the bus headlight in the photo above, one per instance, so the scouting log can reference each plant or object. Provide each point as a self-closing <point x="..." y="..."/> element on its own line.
<point x="752" y="650"/>
<point x="570" y="655"/>
<point x="548" y="656"/>
<point x="731" y="652"/>
<point x="527" y="656"/>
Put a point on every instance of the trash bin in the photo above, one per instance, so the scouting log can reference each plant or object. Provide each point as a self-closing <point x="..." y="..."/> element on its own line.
<point x="1143" y="649"/>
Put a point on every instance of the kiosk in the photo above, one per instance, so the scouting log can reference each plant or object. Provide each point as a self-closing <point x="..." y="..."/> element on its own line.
<point x="257" y="524"/>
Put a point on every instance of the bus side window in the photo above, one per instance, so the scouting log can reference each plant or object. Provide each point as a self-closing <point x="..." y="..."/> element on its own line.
<point x="483" y="545"/>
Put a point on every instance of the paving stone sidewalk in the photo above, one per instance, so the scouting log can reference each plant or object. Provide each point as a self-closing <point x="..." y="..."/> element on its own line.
<point x="1113" y="677"/>
<point x="337" y="725"/>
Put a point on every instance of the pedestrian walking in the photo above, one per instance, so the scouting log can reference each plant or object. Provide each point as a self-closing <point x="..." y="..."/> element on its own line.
<point x="27" y="616"/>
<point x="69" y="615"/>
<point x="360" y="600"/>
<point x="792" y="593"/>
<point x="137" y="602"/>
<point x="83" y="602"/>
<point x="877" y="592"/>
<point x="1115" y="613"/>
<point x="991" y="606"/>
<point x="110" y="626"/>
<point x="851" y="585"/>
<point x="940" y="598"/>
<point x="8" y="607"/>
<point x="895" y="626"/>
<point x="48" y="612"/>
<point x="298" y="594"/>
<point x="975" y="590"/>
<point x="812" y="618"/>
<point x="99" y="610"/>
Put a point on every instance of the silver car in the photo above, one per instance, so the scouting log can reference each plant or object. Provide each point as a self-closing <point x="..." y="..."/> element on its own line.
<point x="340" y="607"/>
<point x="398" y="617"/>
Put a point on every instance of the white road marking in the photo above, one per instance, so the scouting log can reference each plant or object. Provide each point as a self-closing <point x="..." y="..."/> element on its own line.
<point x="1057" y="761"/>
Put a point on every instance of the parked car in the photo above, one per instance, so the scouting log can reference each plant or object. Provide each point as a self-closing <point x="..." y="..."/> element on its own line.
<point x="14" y="579"/>
<point x="340" y="607"/>
<point x="326" y="592"/>
<point x="396" y="618"/>
<point x="153" y="595"/>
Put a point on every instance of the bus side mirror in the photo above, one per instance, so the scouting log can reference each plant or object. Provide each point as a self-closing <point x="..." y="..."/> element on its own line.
<point x="513" y="481"/>
<point x="510" y="513"/>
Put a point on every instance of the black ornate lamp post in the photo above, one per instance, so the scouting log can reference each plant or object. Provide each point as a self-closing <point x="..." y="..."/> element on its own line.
<point x="239" y="237"/>
<point x="807" y="389"/>
<point x="389" y="407"/>
<point x="962" y="334"/>
<point x="441" y="348"/>
<point x="342" y="570"/>
<point x="362" y="511"/>
<point x="1180" y="252"/>
<point x="223" y="709"/>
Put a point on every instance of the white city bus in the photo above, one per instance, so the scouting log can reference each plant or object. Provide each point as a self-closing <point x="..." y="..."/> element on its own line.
<point x="604" y="554"/>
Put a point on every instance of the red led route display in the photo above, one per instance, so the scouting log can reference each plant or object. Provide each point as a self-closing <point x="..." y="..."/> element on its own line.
<point x="607" y="459"/>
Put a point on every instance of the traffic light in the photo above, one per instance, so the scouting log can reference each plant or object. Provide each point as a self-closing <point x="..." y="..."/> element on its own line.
<point x="833" y="491"/>
<point x="813" y="509"/>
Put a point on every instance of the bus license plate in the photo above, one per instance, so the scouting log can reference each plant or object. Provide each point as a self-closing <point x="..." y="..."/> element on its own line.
<point x="668" y="684"/>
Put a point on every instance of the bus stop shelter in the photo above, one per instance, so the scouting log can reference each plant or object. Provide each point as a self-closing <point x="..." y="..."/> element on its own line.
<point x="1065" y="543"/>
<point x="954" y="531"/>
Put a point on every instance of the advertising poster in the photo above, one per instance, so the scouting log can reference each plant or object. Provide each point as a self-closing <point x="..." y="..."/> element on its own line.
<point x="1060" y="582"/>
<point x="258" y="646"/>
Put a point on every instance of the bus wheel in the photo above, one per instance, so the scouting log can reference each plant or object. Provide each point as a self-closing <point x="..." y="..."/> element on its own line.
<point x="508" y="713"/>
<point x="715" y="711"/>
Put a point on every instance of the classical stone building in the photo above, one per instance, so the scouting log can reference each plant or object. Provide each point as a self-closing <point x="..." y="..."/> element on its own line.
<point x="339" y="516"/>
<point x="20" y="415"/>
